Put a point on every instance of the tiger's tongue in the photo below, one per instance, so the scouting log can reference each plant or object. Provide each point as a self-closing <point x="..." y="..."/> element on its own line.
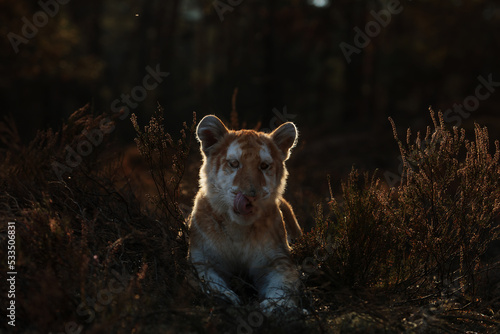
<point x="241" y="204"/>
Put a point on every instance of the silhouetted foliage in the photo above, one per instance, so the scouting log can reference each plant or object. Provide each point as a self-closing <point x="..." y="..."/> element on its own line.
<point x="425" y="237"/>
<point x="92" y="255"/>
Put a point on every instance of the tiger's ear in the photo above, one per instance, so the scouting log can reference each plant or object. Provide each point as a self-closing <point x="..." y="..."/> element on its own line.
<point x="209" y="132"/>
<point x="285" y="137"/>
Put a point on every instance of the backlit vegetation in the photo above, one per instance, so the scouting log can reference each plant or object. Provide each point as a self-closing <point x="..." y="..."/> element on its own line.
<point x="410" y="258"/>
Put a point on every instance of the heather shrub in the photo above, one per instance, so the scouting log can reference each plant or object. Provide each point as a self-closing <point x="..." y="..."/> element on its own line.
<point x="353" y="243"/>
<point x="448" y="201"/>
<point x="426" y="234"/>
<point x="93" y="255"/>
<point x="166" y="160"/>
<point x="88" y="252"/>
<point x="366" y="238"/>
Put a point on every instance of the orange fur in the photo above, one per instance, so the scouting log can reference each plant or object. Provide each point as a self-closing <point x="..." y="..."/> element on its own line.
<point x="240" y="219"/>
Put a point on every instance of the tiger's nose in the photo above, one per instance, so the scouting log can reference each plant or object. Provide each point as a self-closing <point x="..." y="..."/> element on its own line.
<point x="251" y="192"/>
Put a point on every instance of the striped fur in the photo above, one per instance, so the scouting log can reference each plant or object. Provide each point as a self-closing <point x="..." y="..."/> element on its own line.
<point x="240" y="221"/>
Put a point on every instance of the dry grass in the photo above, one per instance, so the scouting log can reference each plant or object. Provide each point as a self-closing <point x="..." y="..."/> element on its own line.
<point x="90" y="254"/>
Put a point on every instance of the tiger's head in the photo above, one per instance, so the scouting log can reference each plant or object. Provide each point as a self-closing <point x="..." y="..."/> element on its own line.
<point x="243" y="172"/>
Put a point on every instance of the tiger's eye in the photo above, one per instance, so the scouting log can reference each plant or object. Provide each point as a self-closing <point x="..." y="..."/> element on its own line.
<point x="264" y="166"/>
<point x="234" y="163"/>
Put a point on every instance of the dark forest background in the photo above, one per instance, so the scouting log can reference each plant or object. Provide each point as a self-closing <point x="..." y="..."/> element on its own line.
<point x="284" y="57"/>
